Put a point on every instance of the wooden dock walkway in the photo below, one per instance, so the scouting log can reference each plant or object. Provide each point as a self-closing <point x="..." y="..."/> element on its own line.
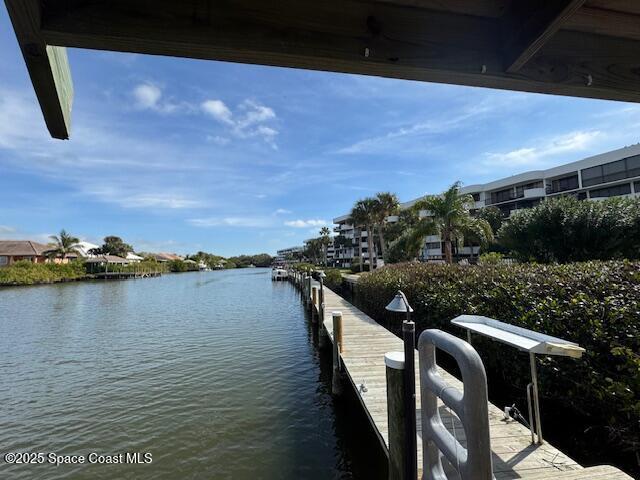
<point x="125" y="275"/>
<point x="365" y="343"/>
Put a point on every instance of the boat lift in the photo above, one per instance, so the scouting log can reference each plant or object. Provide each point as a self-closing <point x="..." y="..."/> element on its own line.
<point x="527" y="341"/>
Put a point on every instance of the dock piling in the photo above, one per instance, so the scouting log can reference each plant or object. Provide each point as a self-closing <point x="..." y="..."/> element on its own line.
<point x="314" y="298"/>
<point x="336" y="380"/>
<point x="337" y="330"/>
<point x="398" y="456"/>
<point x="323" y="337"/>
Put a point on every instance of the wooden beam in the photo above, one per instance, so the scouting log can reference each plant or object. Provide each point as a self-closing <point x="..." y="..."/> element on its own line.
<point x="605" y="22"/>
<point x="48" y="67"/>
<point x="371" y="38"/>
<point x="531" y="25"/>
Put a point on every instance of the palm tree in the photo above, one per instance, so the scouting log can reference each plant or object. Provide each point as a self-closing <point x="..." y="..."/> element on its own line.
<point x="387" y="205"/>
<point x="63" y="244"/>
<point x="364" y="214"/>
<point x="450" y="218"/>
<point x="325" y="240"/>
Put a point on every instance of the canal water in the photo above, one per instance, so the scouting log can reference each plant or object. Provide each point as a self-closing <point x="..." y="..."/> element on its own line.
<point x="214" y="374"/>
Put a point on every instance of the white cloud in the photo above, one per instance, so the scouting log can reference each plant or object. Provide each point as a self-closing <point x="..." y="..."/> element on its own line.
<point x="392" y="140"/>
<point x="249" y="121"/>
<point x="6" y="229"/>
<point x="218" y="110"/>
<point x="22" y="110"/>
<point x="142" y="200"/>
<point x="306" y="223"/>
<point x="282" y="211"/>
<point x="147" y="96"/>
<point x="545" y="148"/>
<point x="236" y="221"/>
<point x="255" y="113"/>
<point x="150" y="97"/>
<point x="218" y="140"/>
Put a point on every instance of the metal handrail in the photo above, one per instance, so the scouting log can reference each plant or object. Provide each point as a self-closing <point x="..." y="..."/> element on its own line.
<point x="471" y="407"/>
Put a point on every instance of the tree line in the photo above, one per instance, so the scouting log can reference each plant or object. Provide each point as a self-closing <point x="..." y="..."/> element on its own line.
<point x="65" y="244"/>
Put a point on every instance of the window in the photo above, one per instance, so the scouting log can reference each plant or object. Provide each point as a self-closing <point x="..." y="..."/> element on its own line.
<point x="614" y="171"/>
<point x="636" y="187"/>
<point x="476" y="197"/>
<point x="433" y="245"/>
<point x="502" y="196"/>
<point x="614" y="191"/>
<point x="564" y="184"/>
<point x="610" y="172"/>
<point x="633" y="166"/>
<point x="4" y="260"/>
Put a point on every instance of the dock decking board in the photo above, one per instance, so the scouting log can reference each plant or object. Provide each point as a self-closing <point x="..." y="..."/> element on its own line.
<point x="365" y="343"/>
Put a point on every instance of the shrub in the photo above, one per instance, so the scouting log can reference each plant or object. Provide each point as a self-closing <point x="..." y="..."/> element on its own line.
<point x="596" y="304"/>
<point x="490" y="258"/>
<point x="303" y="267"/>
<point x="333" y="278"/>
<point x="178" y="266"/>
<point x="568" y="230"/>
<point x="27" y="273"/>
<point x="355" y="265"/>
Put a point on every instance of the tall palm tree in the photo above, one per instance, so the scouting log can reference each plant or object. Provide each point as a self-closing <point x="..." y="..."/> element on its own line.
<point x="325" y="240"/>
<point x="387" y="205"/>
<point x="450" y="218"/>
<point x="364" y="214"/>
<point x="63" y="244"/>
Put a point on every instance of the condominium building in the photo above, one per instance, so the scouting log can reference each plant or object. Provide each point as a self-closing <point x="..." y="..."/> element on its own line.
<point x="330" y="260"/>
<point x="611" y="174"/>
<point x="352" y="244"/>
<point x="289" y="252"/>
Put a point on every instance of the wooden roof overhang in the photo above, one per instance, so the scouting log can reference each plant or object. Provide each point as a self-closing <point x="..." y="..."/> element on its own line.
<point x="582" y="48"/>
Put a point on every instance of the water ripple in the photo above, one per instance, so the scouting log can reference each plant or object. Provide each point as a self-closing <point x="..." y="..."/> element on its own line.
<point x="210" y="372"/>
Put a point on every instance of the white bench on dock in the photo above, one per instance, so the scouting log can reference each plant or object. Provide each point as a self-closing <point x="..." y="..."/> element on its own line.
<point x="365" y="343"/>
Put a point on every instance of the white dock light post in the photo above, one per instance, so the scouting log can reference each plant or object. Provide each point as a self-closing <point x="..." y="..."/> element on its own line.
<point x="401" y="305"/>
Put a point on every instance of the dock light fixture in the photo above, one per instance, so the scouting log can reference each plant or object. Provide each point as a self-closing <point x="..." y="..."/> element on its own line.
<point x="400" y="304"/>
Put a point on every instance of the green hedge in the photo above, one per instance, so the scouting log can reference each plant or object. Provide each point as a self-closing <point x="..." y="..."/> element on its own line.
<point x="565" y="229"/>
<point x="28" y="273"/>
<point x="146" y="265"/>
<point x="333" y="278"/>
<point x="179" y="266"/>
<point x="596" y="304"/>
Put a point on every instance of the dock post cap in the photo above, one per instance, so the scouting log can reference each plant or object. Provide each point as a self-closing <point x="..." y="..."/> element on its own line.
<point x="394" y="360"/>
<point x="336" y="313"/>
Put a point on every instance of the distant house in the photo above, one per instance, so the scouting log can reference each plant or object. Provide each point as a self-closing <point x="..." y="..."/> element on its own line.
<point x="133" y="258"/>
<point x="166" y="257"/>
<point x="12" y="251"/>
<point x="83" y="248"/>
<point x="105" y="260"/>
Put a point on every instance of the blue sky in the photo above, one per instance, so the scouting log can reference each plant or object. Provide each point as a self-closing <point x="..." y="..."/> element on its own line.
<point x="184" y="155"/>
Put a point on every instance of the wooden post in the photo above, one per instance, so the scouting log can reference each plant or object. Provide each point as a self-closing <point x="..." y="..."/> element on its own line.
<point x="337" y="330"/>
<point x="323" y="337"/>
<point x="394" y="362"/>
<point x="314" y="296"/>
<point x="336" y="381"/>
